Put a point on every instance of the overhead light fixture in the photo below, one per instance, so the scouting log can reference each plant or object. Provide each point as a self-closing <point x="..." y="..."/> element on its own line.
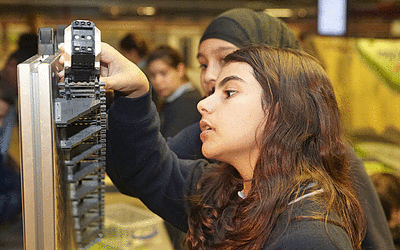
<point x="302" y="13"/>
<point x="146" y="11"/>
<point x="285" y="13"/>
<point x="332" y="17"/>
<point x="114" y="10"/>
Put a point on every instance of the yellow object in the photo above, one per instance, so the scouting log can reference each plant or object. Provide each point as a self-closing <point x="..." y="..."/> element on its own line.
<point x="14" y="149"/>
<point x="368" y="104"/>
<point x="129" y="227"/>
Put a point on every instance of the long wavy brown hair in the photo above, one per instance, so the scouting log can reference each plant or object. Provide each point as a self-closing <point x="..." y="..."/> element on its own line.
<point x="301" y="143"/>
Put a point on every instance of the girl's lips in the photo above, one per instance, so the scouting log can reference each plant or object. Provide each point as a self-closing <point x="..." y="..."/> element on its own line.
<point x="204" y="135"/>
<point x="204" y="126"/>
<point x="206" y="129"/>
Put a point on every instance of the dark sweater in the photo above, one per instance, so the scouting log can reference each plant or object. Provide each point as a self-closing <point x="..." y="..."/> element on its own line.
<point x="180" y="113"/>
<point x="187" y="145"/>
<point x="141" y="164"/>
<point x="10" y="193"/>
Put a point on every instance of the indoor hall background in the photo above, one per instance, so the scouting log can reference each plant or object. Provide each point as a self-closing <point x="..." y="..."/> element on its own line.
<point x="371" y="108"/>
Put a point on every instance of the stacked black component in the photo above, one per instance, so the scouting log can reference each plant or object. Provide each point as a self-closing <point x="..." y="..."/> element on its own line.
<point x="80" y="116"/>
<point x="83" y="52"/>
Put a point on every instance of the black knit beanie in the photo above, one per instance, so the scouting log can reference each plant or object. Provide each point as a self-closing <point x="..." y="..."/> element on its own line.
<point x="243" y="27"/>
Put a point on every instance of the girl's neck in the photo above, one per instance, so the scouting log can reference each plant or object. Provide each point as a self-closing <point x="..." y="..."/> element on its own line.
<point x="247" y="186"/>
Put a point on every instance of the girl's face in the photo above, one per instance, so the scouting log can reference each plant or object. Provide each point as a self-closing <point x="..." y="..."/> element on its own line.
<point x="211" y="53"/>
<point x="232" y="118"/>
<point x="4" y="108"/>
<point x="164" y="78"/>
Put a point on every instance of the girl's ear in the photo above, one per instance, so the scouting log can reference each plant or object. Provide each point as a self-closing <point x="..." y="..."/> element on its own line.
<point x="394" y="218"/>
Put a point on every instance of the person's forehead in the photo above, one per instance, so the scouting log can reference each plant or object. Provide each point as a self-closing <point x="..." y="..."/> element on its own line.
<point x="239" y="70"/>
<point x="158" y="63"/>
<point x="214" y="45"/>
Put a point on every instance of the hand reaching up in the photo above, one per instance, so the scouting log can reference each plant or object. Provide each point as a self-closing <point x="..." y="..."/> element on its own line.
<point x="123" y="75"/>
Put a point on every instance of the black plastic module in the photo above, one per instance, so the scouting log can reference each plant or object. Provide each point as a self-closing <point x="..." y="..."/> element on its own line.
<point x="46" y="41"/>
<point x="83" y="53"/>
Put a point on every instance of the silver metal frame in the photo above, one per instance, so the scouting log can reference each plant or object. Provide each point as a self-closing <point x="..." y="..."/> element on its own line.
<point x="47" y="219"/>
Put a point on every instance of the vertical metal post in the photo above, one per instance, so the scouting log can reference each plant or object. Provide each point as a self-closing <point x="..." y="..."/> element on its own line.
<point x="48" y="224"/>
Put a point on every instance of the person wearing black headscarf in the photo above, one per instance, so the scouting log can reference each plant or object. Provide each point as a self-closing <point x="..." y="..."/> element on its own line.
<point x="235" y="29"/>
<point x="226" y="33"/>
<point x="243" y="27"/>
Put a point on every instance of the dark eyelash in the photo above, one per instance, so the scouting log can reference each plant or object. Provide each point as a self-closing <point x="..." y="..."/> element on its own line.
<point x="229" y="93"/>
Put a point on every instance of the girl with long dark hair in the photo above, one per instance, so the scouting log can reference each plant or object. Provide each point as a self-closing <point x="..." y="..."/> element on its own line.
<point x="273" y="123"/>
<point x="299" y="178"/>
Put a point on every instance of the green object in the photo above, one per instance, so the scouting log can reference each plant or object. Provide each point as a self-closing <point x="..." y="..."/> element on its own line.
<point x="360" y="152"/>
<point x="373" y="167"/>
<point x="378" y="157"/>
<point x="102" y="246"/>
<point x="383" y="56"/>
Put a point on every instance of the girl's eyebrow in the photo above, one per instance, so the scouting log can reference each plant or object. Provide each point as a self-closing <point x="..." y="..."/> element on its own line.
<point x="229" y="78"/>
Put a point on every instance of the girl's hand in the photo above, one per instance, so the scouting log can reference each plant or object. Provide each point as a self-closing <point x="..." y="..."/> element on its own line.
<point x="123" y="75"/>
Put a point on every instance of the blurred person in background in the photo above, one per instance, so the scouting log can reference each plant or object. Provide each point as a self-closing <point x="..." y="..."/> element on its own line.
<point x="5" y="104"/>
<point x="10" y="194"/>
<point x="388" y="187"/>
<point x="167" y="74"/>
<point x="135" y="49"/>
<point x="27" y="47"/>
<point x="10" y="182"/>
<point x="9" y="135"/>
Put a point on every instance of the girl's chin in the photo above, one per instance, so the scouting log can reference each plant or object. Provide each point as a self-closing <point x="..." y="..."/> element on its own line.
<point x="211" y="155"/>
<point x="206" y="154"/>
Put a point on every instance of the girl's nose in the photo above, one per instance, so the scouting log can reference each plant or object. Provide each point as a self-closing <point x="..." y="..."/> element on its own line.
<point x="207" y="105"/>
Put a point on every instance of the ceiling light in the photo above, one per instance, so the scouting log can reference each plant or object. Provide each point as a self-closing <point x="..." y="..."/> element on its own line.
<point x="302" y="13"/>
<point x="146" y="11"/>
<point x="114" y="10"/>
<point x="279" y="12"/>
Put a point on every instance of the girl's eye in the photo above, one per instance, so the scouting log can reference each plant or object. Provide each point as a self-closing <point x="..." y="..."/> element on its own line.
<point x="229" y="93"/>
<point x="203" y="66"/>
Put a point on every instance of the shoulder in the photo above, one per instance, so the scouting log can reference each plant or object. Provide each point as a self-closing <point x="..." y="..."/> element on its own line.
<point x="192" y="94"/>
<point x="310" y="234"/>
<point x="185" y="104"/>
<point x="301" y="230"/>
